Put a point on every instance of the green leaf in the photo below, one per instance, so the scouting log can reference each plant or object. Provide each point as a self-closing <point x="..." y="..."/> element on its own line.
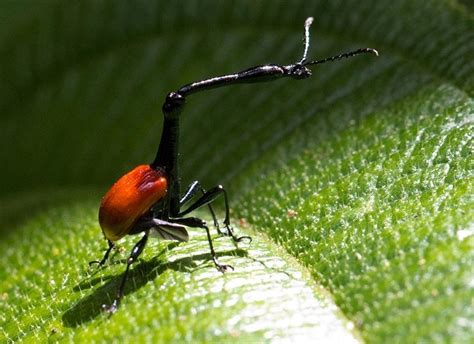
<point x="175" y="293"/>
<point x="363" y="173"/>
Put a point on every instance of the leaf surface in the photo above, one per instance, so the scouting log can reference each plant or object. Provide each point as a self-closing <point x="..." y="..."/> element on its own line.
<point x="363" y="173"/>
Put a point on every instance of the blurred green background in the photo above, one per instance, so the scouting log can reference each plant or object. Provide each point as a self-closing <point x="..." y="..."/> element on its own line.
<point x="363" y="173"/>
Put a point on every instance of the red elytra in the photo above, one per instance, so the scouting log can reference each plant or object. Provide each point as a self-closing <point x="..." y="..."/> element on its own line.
<point x="129" y="198"/>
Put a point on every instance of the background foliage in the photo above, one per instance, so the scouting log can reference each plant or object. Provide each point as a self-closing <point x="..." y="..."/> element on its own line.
<point x="362" y="173"/>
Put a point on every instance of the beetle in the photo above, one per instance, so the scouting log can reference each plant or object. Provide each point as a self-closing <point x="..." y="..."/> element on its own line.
<point x="148" y="200"/>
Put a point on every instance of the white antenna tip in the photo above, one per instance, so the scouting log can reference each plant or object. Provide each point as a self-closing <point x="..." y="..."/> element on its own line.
<point x="308" y="21"/>
<point x="375" y="52"/>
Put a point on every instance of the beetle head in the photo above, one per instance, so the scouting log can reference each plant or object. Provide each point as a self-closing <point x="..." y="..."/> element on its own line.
<point x="298" y="71"/>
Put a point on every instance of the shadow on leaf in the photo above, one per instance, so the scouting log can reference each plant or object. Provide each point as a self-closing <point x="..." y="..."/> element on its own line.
<point x="90" y="307"/>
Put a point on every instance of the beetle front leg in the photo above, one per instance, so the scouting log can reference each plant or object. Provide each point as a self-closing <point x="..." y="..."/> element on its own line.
<point x="194" y="188"/>
<point x="136" y="251"/>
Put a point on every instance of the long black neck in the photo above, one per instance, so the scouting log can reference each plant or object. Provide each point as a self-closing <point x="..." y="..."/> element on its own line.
<point x="167" y="155"/>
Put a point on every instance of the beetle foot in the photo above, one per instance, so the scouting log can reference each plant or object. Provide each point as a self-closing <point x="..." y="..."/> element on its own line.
<point x="101" y="263"/>
<point x="230" y="232"/>
<point x="98" y="262"/>
<point x="112" y="308"/>
<point x="242" y="238"/>
<point x="220" y="232"/>
<point x="222" y="267"/>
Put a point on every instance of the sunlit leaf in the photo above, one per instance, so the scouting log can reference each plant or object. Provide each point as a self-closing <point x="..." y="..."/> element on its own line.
<point x="363" y="172"/>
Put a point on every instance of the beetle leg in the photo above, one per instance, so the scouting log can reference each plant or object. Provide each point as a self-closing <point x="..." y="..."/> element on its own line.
<point x="135" y="253"/>
<point x="198" y="223"/>
<point x="193" y="188"/>
<point x="208" y="197"/>
<point x="106" y="256"/>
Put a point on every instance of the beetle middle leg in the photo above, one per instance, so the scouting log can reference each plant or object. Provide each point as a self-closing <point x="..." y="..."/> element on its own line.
<point x="198" y="223"/>
<point x="206" y="198"/>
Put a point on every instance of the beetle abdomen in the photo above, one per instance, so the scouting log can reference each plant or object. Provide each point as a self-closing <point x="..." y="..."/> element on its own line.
<point x="129" y="198"/>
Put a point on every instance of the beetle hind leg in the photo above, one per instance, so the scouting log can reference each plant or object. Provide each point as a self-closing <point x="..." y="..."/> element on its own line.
<point x="198" y="223"/>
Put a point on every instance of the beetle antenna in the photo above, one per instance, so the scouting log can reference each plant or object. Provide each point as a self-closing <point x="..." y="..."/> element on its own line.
<point x="345" y="55"/>
<point x="307" y="24"/>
